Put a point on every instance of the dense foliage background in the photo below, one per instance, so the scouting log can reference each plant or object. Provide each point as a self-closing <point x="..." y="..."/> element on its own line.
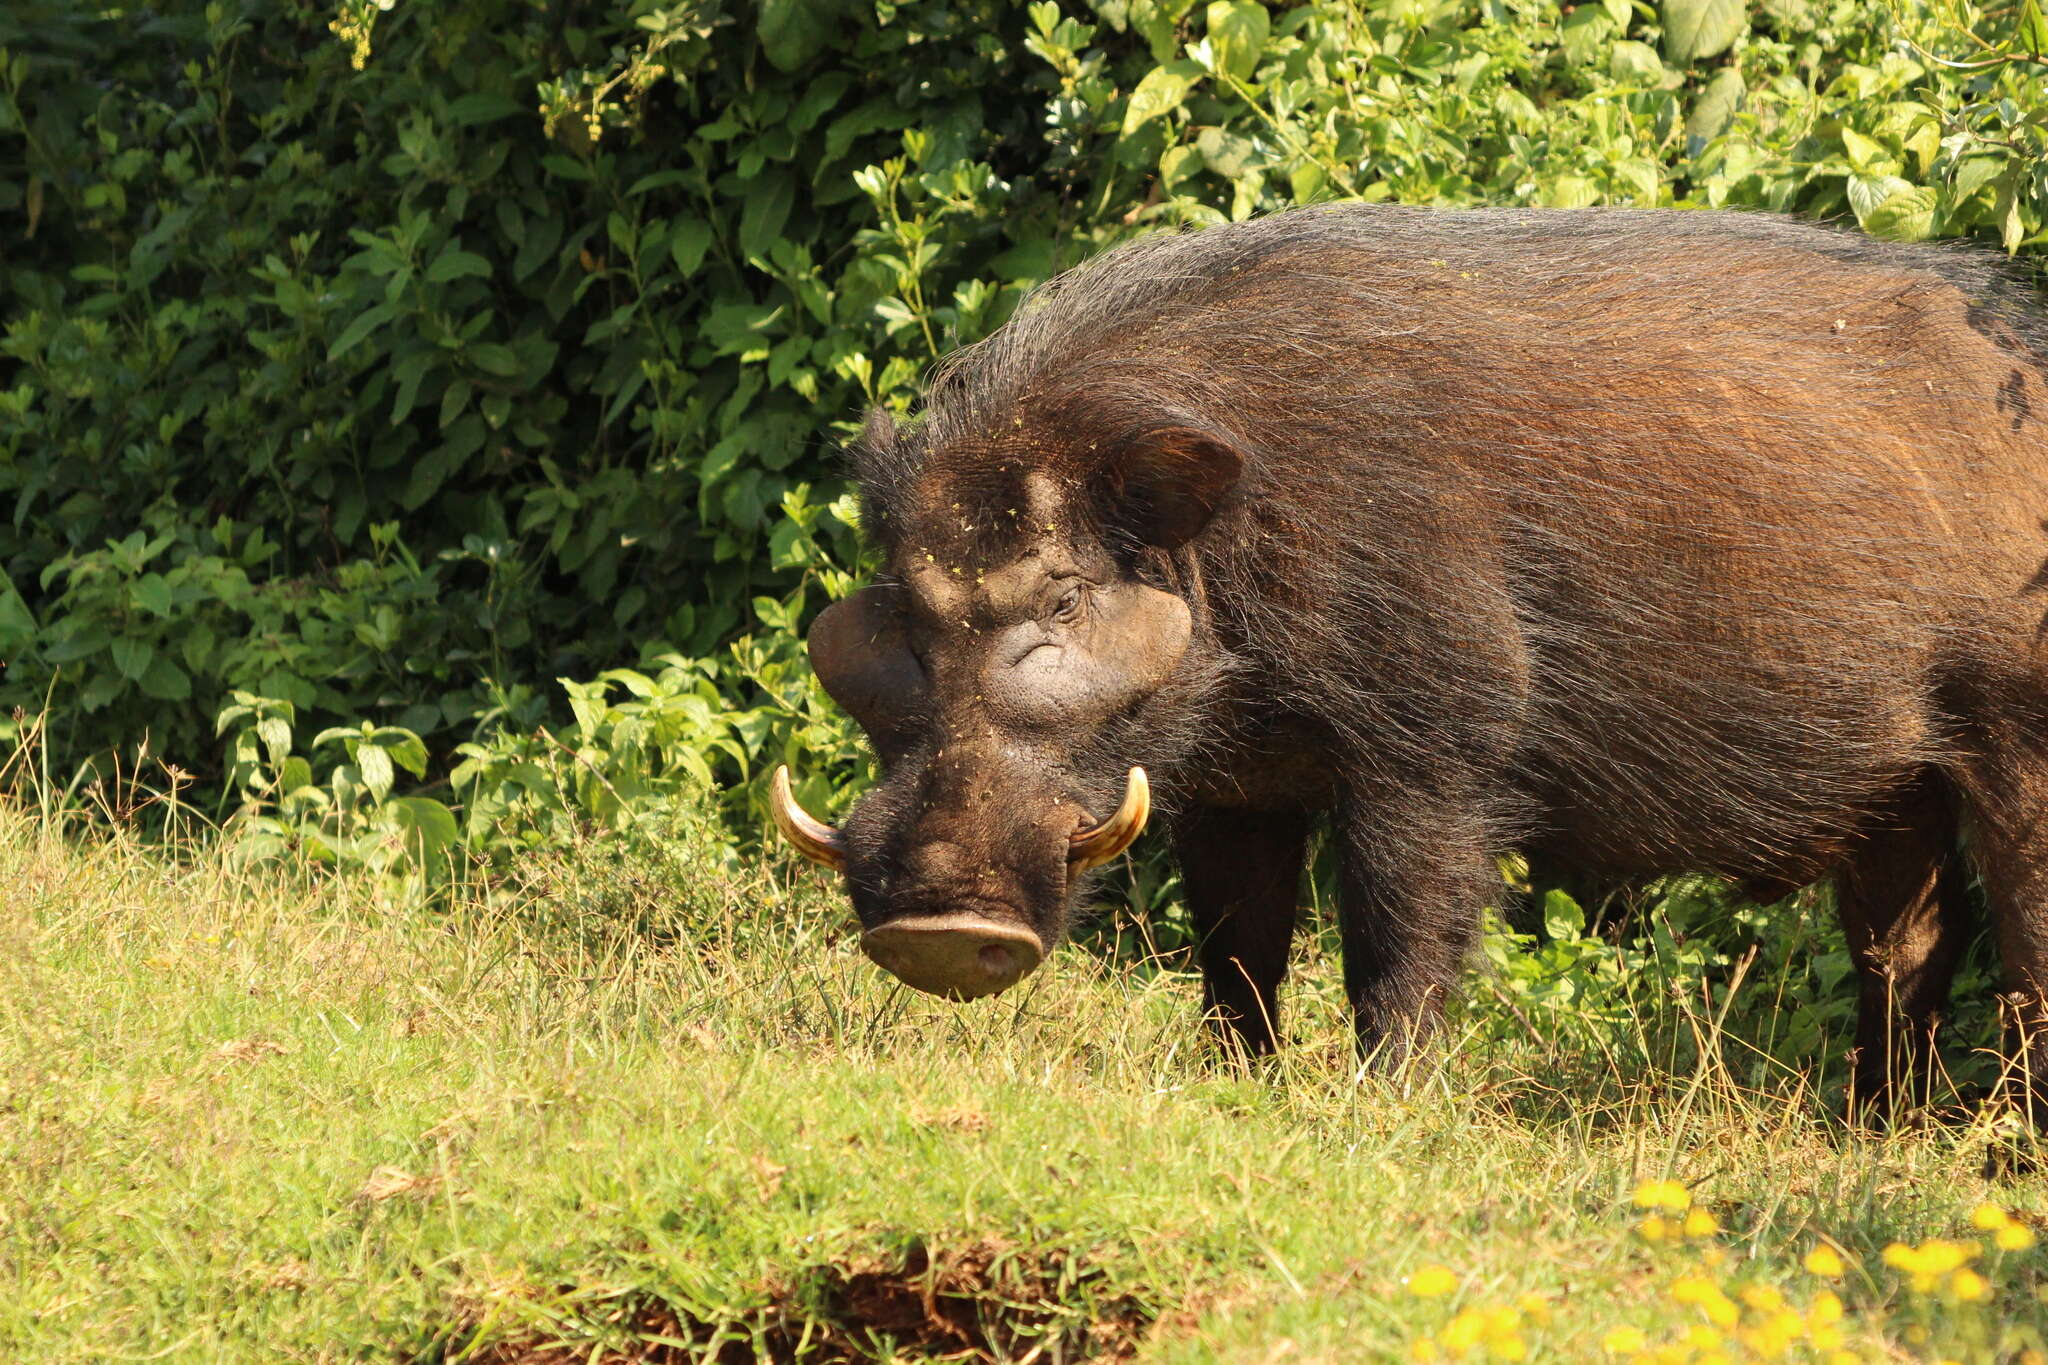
<point x="418" y="421"/>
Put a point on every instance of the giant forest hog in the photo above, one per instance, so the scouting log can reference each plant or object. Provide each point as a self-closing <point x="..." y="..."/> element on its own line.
<point x="1645" y="542"/>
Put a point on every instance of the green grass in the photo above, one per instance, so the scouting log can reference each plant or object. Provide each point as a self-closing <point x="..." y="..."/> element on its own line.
<point x="640" y="1106"/>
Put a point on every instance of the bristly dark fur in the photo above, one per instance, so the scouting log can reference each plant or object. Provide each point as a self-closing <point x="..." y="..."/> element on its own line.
<point x="1659" y="541"/>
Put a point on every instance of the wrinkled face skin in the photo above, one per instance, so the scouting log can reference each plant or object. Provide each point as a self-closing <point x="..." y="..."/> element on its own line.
<point x="989" y="670"/>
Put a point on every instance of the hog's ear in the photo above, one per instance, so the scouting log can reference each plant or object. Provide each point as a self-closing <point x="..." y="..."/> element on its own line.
<point x="861" y="655"/>
<point x="1163" y="487"/>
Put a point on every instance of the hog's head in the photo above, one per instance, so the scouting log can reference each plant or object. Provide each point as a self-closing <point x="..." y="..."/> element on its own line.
<point x="1027" y="648"/>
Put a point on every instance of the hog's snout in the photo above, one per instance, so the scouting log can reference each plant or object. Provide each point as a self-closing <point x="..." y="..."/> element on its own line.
<point x="959" y="956"/>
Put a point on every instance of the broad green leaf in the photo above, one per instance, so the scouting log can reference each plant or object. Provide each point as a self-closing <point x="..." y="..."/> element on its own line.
<point x="276" y="735"/>
<point x="1563" y="919"/>
<point x="2030" y="34"/>
<point x="1571" y="192"/>
<point x="1635" y="64"/>
<point x="1237" y="36"/>
<point x="406" y="750"/>
<point x="410" y="369"/>
<point x="454" y="263"/>
<point x="1866" y="154"/>
<point x="17" y="622"/>
<point x="792" y="32"/>
<point x="1867" y="193"/>
<point x="543" y="235"/>
<point x="1701" y="28"/>
<point x="366" y="322"/>
<point x="152" y="592"/>
<point x="688" y="240"/>
<point x="428" y="822"/>
<point x="1714" y="106"/>
<point x="133" y="657"/>
<point x="492" y="358"/>
<point x="1156" y="21"/>
<point x="165" y="681"/>
<point x="484" y="106"/>
<point x="375" y="765"/>
<point x="1177" y="163"/>
<point x="764" y="211"/>
<point x="1585" y="34"/>
<point x="1904" y="216"/>
<point x="1227" y="154"/>
<point x="2012" y="223"/>
<point x="1159" y="93"/>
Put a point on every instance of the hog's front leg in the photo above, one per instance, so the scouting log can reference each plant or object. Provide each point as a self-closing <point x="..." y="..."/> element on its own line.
<point x="1241" y="875"/>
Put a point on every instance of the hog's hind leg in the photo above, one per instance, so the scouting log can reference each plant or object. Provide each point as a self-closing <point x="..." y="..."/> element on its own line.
<point x="1904" y="908"/>
<point x="1415" y="872"/>
<point x="2005" y="792"/>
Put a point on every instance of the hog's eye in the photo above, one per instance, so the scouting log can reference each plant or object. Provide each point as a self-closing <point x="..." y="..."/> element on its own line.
<point x="1069" y="605"/>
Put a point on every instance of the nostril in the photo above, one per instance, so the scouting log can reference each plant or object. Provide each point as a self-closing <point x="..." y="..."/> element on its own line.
<point x="995" y="959"/>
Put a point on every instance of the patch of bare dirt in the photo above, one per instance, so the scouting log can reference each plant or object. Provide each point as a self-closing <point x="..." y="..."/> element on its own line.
<point x="390" y="1182"/>
<point x="250" y="1049"/>
<point x="985" y="1302"/>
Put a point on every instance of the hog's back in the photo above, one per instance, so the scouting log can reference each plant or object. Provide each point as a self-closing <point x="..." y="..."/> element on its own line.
<point x="1716" y="530"/>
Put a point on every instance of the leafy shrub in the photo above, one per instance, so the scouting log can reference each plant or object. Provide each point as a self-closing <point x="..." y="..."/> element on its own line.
<point x="396" y="361"/>
<point x="377" y="372"/>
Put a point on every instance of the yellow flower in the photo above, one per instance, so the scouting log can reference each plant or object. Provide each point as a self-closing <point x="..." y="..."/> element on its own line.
<point x="1705" y="1295"/>
<point x="1462" y="1333"/>
<point x="2030" y="1356"/>
<point x="1845" y="1358"/>
<point x="1825" y="1262"/>
<point x="2014" y="1237"/>
<point x="1692" y="1288"/>
<point x="1663" y="1194"/>
<point x="1700" y="1337"/>
<point x="1700" y="1223"/>
<point x="1765" y="1298"/>
<point x="1432" y="1282"/>
<point x="1946" y="1256"/>
<point x="1967" y="1286"/>
<point x="1826" y="1308"/>
<point x="1930" y="1260"/>
<point x="1653" y="1229"/>
<point x="1536" y="1308"/>
<point x="1989" y="1217"/>
<point x="1785" y="1327"/>
<point x="1917" y="1334"/>
<point x="1507" y="1347"/>
<point x="1826" y="1337"/>
<point x="1624" y="1340"/>
<point x="1425" y="1349"/>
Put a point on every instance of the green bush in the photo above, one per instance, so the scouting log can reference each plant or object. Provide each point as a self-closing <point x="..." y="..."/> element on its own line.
<point x="381" y="367"/>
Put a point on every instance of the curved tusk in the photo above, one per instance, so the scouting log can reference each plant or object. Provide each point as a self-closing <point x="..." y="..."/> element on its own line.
<point x="1094" y="847"/>
<point x="813" y="838"/>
